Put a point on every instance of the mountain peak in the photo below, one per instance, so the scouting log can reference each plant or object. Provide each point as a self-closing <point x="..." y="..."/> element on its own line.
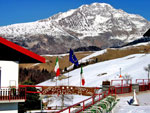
<point x="101" y="4"/>
<point x="97" y="24"/>
<point x="96" y="4"/>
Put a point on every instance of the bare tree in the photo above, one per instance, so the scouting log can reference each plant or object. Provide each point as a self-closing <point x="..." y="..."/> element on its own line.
<point x="127" y="78"/>
<point x="148" y="70"/>
<point x="63" y="99"/>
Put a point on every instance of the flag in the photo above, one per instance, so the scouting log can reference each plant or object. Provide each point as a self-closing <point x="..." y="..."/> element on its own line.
<point x="72" y="58"/>
<point x="83" y="80"/>
<point x="56" y="69"/>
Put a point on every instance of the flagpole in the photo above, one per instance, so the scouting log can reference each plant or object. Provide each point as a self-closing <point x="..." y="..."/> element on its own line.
<point x="80" y="72"/>
<point x="73" y="59"/>
<point x="56" y="81"/>
<point x="80" y="75"/>
<point x="68" y="74"/>
<point x="80" y="80"/>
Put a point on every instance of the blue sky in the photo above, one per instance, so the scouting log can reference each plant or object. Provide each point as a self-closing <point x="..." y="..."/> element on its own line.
<point x="20" y="11"/>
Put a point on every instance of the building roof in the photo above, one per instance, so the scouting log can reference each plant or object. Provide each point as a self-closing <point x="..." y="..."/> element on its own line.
<point x="14" y="52"/>
<point x="147" y="33"/>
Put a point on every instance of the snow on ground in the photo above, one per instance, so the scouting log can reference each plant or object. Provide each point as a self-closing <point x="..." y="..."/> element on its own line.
<point x="87" y="58"/>
<point x="94" y="74"/>
<point x="57" y="99"/>
<point x="59" y="55"/>
<point x="141" y="44"/>
<point x="135" y="45"/>
<point x="108" y="70"/>
<point x="144" y="107"/>
<point x="97" y="53"/>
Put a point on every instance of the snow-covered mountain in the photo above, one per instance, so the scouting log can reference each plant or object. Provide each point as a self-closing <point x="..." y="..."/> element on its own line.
<point x="97" y="24"/>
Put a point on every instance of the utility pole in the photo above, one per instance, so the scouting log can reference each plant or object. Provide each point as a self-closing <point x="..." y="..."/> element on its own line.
<point x="120" y="71"/>
<point x="120" y="74"/>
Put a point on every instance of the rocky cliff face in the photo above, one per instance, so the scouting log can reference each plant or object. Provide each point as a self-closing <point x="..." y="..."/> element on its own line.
<point x="98" y="24"/>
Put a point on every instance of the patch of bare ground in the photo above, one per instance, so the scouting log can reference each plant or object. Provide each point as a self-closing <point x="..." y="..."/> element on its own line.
<point x="50" y="62"/>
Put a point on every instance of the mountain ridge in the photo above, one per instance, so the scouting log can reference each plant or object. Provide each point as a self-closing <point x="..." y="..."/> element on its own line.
<point x="97" y="24"/>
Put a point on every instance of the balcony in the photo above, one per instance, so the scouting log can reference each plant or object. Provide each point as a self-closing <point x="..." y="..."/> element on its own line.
<point x="12" y="95"/>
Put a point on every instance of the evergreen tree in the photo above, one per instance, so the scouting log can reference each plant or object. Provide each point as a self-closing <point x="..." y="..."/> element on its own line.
<point x="32" y="101"/>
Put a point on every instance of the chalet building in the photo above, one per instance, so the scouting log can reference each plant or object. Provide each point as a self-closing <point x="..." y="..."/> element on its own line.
<point x="10" y="58"/>
<point x="147" y="34"/>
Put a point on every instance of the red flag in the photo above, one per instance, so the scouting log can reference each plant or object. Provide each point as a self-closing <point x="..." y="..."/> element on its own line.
<point x="56" y="69"/>
<point x="83" y="80"/>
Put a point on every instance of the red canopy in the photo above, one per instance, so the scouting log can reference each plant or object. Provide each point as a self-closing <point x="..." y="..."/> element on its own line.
<point x="14" y="52"/>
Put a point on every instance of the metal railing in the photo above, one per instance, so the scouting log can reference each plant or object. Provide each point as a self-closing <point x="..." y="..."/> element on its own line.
<point x="86" y="103"/>
<point x="121" y="89"/>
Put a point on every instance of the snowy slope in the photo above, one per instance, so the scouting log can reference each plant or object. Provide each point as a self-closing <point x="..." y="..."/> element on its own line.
<point x="132" y="65"/>
<point x="97" y="53"/>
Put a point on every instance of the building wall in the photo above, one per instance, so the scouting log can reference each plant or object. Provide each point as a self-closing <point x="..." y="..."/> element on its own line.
<point x="9" y="73"/>
<point x="9" y="108"/>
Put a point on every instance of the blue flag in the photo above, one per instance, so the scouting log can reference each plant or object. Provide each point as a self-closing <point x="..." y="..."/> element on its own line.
<point x="72" y="58"/>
